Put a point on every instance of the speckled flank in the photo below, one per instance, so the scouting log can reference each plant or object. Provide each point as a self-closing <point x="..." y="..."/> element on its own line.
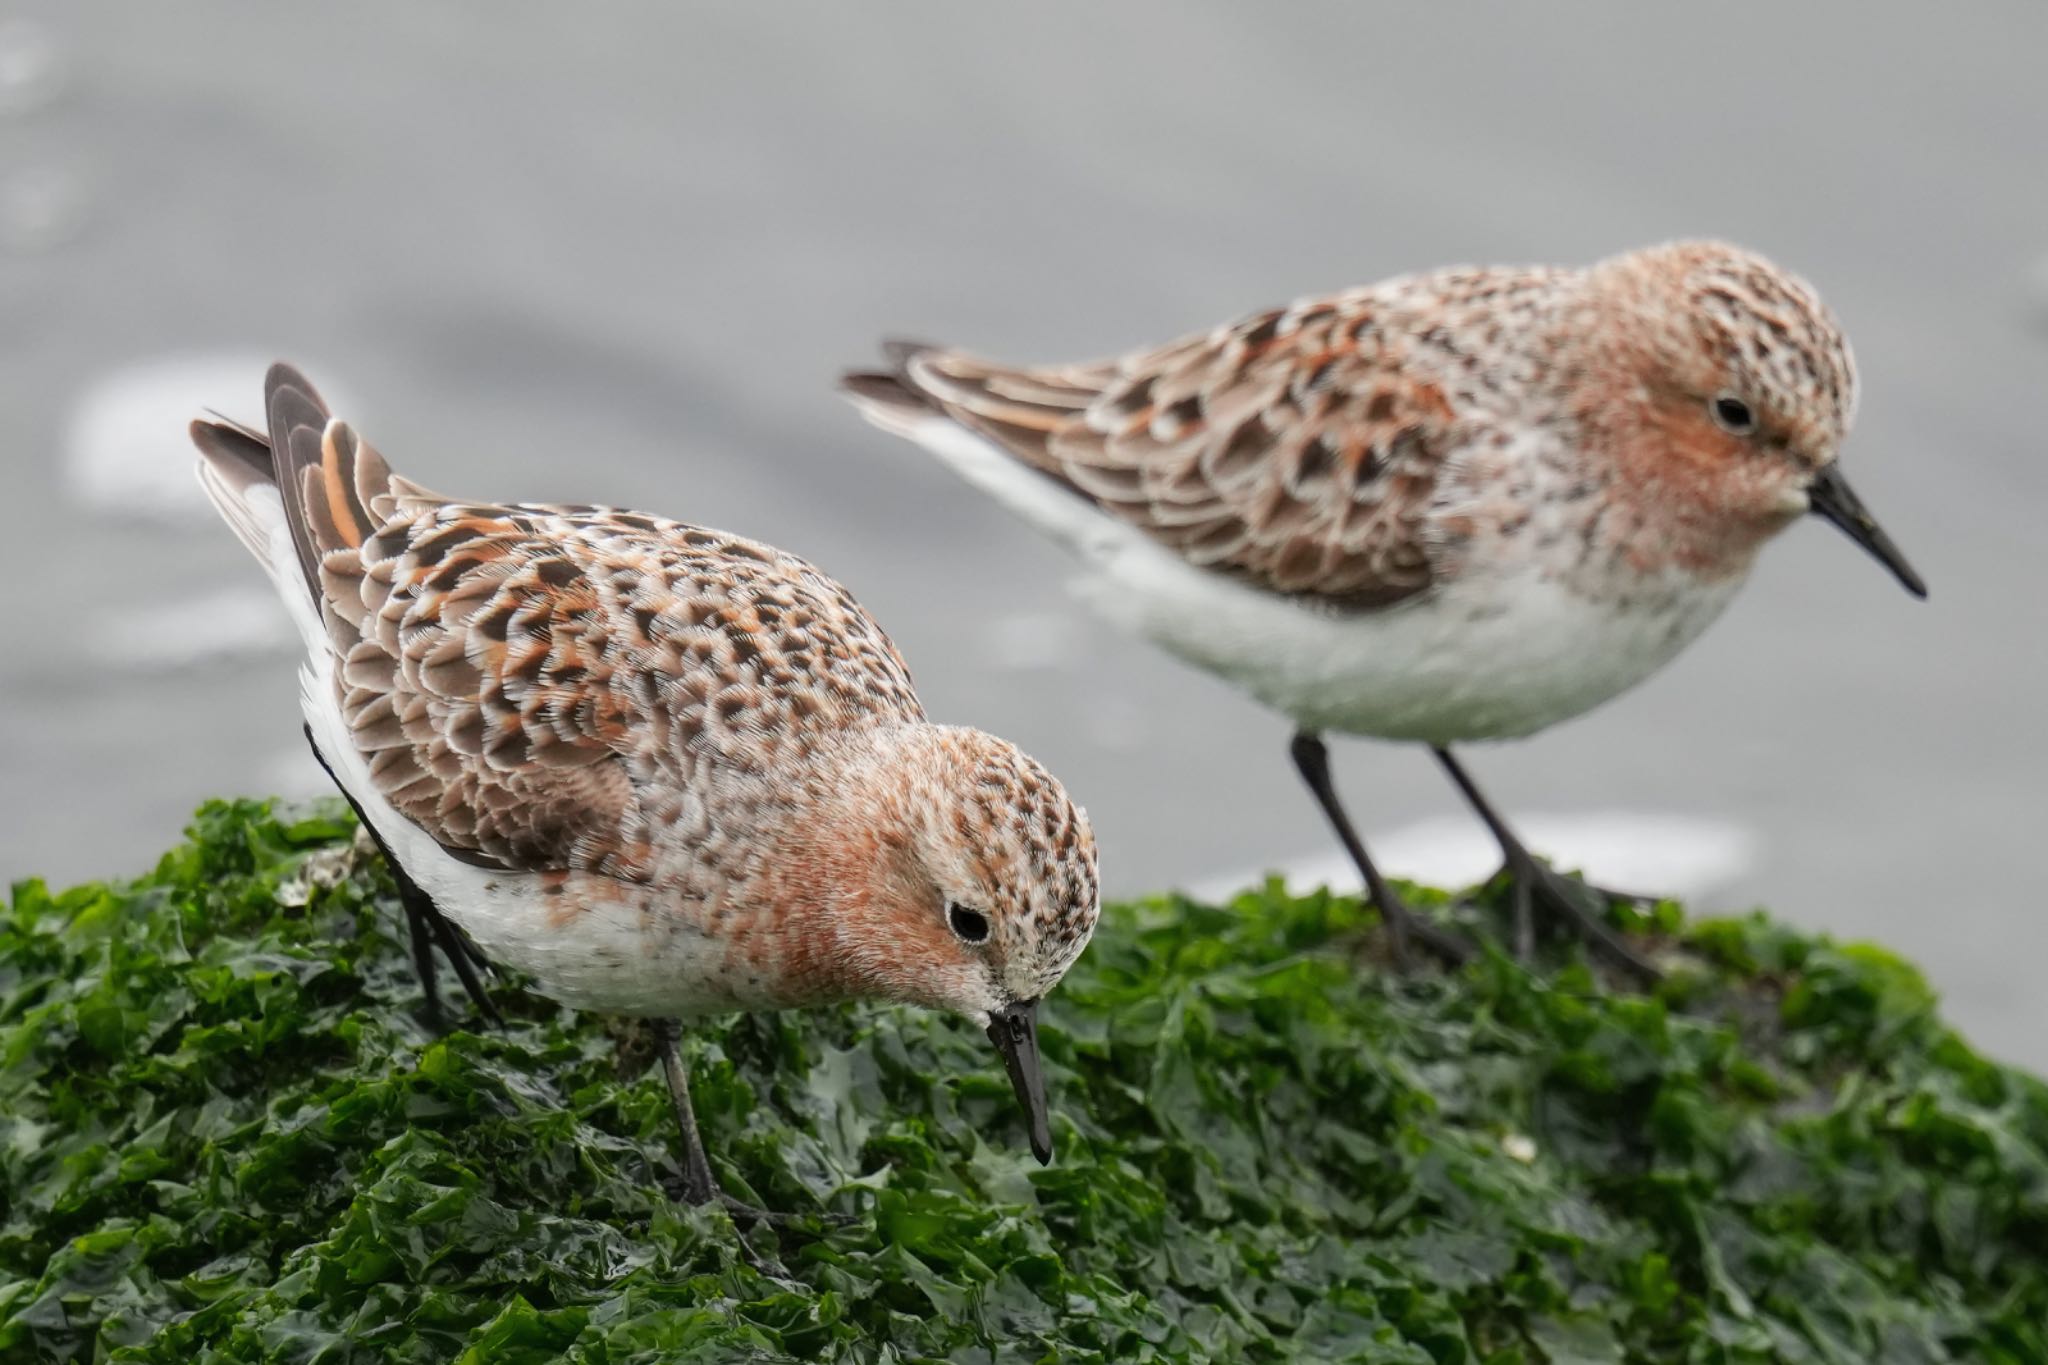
<point x="688" y="770"/>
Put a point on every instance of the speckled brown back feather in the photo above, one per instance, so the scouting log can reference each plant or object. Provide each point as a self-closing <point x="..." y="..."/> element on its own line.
<point x="1290" y="448"/>
<point x="538" y="686"/>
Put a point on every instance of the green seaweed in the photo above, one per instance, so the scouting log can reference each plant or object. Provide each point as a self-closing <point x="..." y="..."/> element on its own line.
<point x="225" y="1136"/>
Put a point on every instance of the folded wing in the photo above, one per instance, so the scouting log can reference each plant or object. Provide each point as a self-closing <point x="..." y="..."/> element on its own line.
<point x="535" y="686"/>
<point x="1290" y="449"/>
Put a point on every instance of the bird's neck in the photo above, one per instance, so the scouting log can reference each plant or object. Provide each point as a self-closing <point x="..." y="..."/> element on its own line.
<point x="830" y="868"/>
<point x="1665" y="490"/>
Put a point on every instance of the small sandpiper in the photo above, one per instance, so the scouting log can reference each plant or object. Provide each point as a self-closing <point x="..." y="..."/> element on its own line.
<point x="663" y="770"/>
<point x="1448" y="507"/>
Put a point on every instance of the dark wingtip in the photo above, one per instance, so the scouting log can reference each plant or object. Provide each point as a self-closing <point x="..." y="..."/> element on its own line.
<point x="287" y="393"/>
<point x="900" y="351"/>
<point x="205" y="433"/>
<point x="285" y="375"/>
<point x="296" y="417"/>
<point x="222" y="439"/>
<point x="893" y="387"/>
<point x="875" y="387"/>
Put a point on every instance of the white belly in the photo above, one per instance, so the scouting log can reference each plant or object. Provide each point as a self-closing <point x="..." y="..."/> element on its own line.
<point x="1495" y="655"/>
<point x="611" y="956"/>
<point x="1484" y="658"/>
<point x="614" y="947"/>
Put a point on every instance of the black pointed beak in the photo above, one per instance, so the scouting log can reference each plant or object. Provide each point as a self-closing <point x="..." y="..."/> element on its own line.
<point x="1014" y="1031"/>
<point x="1833" y="500"/>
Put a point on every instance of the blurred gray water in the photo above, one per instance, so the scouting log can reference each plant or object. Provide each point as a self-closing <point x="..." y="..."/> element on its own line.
<point x="549" y="256"/>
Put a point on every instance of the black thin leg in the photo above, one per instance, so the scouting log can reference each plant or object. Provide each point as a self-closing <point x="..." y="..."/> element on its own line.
<point x="1535" y="883"/>
<point x="1312" y="758"/>
<point x="700" y="1186"/>
<point x="423" y="959"/>
<point x="424" y="918"/>
<point x="461" y="953"/>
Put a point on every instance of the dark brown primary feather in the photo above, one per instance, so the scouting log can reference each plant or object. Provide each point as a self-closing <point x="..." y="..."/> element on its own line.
<point x="1291" y="449"/>
<point x="537" y="686"/>
<point x="241" y="453"/>
<point x="297" y="418"/>
<point x="235" y="459"/>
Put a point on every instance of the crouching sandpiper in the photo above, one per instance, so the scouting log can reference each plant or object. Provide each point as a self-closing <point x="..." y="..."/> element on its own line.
<point x="663" y="770"/>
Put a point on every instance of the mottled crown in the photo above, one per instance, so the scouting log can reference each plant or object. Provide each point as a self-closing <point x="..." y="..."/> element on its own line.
<point x="1726" y="319"/>
<point x="963" y="876"/>
<point x="1035" y="856"/>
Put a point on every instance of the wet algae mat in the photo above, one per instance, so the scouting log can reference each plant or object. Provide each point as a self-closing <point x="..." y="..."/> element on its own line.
<point x="224" y="1136"/>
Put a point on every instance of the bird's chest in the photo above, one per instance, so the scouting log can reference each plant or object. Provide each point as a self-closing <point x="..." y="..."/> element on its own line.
<point x="1514" y="642"/>
<point x="1547" y="607"/>
<point x="597" y="943"/>
<point x="1477" y="660"/>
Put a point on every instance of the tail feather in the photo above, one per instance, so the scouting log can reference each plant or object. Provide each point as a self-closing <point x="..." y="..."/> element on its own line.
<point x="1020" y="410"/>
<point x="239" y="474"/>
<point x="890" y="398"/>
<point x="235" y="459"/>
<point x="993" y="427"/>
<point x="334" y="490"/>
<point x="234" y="446"/>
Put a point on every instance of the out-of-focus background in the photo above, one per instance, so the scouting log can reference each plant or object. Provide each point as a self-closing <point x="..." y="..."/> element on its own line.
<point x="619" y="256"/>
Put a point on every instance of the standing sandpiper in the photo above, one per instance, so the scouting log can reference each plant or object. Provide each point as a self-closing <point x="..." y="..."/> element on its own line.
<point x="1458" y="506"/>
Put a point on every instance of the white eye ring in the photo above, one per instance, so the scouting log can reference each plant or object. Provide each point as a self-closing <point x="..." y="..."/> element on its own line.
<point x="970" y="925"/>
<point x="1733" y="415"/>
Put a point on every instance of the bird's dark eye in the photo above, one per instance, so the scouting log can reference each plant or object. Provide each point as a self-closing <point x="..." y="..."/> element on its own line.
<point x="1734" y="415"/>
<point x="971" y="925"/>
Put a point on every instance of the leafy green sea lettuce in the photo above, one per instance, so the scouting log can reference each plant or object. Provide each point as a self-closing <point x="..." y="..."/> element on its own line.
<point x="224" y="1136"/>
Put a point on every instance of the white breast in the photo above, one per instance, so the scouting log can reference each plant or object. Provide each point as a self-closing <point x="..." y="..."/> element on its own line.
<point x="616" y="953"/>
<point x="1503" y="651"/>
<point x="1484" y="658"/>
<point x="598" y="944"/>
<point x="612" y="948"/>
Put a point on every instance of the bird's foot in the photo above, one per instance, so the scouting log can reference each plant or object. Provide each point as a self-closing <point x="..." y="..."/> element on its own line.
<point x="701" y="1189"/>
<point x="746" y="1217"/>
<point x="1574" y="905"/>
<point x="740" y="1211"/>
<point x="1405" y="927"/>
